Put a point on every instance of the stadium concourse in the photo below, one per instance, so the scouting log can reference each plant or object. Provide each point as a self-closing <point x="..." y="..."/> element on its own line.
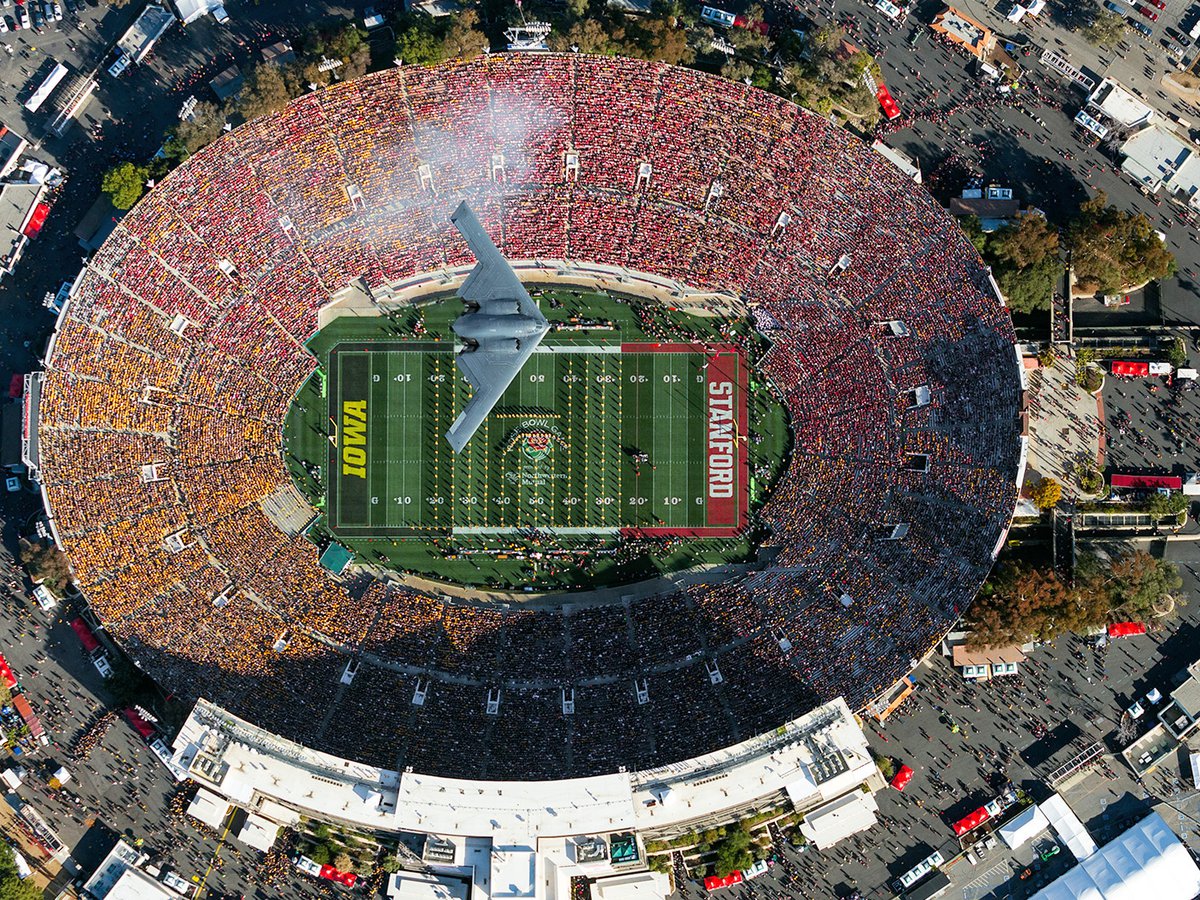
<point x="182" y="346"/>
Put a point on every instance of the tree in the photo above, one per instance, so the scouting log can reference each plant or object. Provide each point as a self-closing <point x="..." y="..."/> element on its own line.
<point x="1112" y="249"/>
<point x="11" y="885"/>
<point x="1140" y="585"/>
<point x="577" y="8"/>
<point x="1176" y="352"/>
<point x="419" y="47"/>
<point x="342" y="862"/>
<point x="661" y="40"/>
<point x="751" y="35"/>
<point x="589" y="36"/>
<point x="733" y="852"/>
<point x="320" y="854"/>
<point x="1106" y="29"/>
<point x="264" y="92"/>
<point x="45" y="563"/>
<point x="1030" y="289"/>
<point x="125" y="183"/>
<point x="736" y="69"/>
<point x="390" y="863"/>
<point x="1046" y="494"/>
<point x="464" y="40"/>
<point x="1025" y="241"/>
<point x="205" y="126"/>
<point x="1023" y="602"/>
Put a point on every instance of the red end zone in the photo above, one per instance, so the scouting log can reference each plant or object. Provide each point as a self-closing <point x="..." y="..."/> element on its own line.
<point x="727" y="481"/>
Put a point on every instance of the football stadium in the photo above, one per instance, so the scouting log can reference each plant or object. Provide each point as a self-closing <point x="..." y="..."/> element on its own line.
<point x="773" y="433"/>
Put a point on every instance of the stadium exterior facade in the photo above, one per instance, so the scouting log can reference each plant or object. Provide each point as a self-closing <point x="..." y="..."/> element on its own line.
<point x="181" y="347"/>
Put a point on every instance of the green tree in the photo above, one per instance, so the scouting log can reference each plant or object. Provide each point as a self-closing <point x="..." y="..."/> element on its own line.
<point x="973" y="229"/>
<point x="1025" y="241"/>
<point x="125" y="183"/>
<point x="265" y="91"/>
<point x="1106" y="29"/>
<point x="732" y="852"/>
<point x="577" y="8"/>
<point x="1176" y="352"/>
<point x="659" y="39"/>
<point x="419" y="47"/>
<point x="751" y="37"/>
<point x="588" y="36"/>
<point x="1140" y="584"/>
<point x="1029" y="289"/>
<point x="11" y="885"/>
<point x="205" y="126"/>
<point x="320" y="854"/>
<point x="390" y="863"/>
<point x="736" y="69"/>
<point x="1112" y="249"/>
<point x="1046" y="494"/>
<point x="463" y="39"/>
<point x="342" y="862"/>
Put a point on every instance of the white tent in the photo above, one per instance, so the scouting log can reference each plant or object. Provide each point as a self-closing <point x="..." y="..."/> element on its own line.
<point x="259" y="833"/>
<point x="1147" y="861"/>
<point x="840" y="818"/>
<point x="209" y="808"/>
<point x="1068" y="827"/>
<point x="1024" y="828"/>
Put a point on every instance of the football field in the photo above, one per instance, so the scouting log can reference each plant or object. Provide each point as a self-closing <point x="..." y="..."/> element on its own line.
<point x="587" y="439"/>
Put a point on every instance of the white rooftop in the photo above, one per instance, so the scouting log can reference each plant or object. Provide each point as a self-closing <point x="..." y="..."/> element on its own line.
<point x="514" y="871"/>
<point x="135" y="884"/>
<point x="420" y="886"/>
<point x="638" y="886"/>
<point x="1157" y="157"/>
<point x="258" y="833"/>
<point x="1120" y="104"/>
<point x="1146" y="861"/>
<point x="1068" y="827"/>
<point x="840" y="818"/>
<point x="209" y="808"/>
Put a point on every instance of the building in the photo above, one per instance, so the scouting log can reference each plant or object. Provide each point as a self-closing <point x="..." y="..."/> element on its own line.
<point x="139" y="39"/>
<point x="515" y="840"/>
<point x="1181" y="715"/>
<point x="189" y="11"/>
<point x="993" y="205"/>
<point x="1121" y="105"/>
<point x="960" y="29"/>
<point x="980" y="665"/>
<point x="1156" y="157"/>
<point x="1147" y="860"/>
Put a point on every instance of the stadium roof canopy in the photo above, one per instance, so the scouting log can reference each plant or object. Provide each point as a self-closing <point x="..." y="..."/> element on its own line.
<point x="1147" y="860"/>
<point x="336" y="558"/>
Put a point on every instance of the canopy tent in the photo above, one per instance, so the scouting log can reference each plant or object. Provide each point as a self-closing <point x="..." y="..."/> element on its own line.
<point x="6" y="674"/>
<point x="1147" y="860"/>
<point x="1132" y="369"/>
<point x="901" y="779"/>
<point x="971" y="821"/>
<point x="1023" y="828"/>
<point x="1068" y="827"/>
<point x="258" y="833"/>
<point x="712" y="882"/>
<point x="1125" y="629"/>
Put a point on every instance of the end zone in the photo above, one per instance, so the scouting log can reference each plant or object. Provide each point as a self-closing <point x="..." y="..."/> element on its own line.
<point x="727" y="473"/>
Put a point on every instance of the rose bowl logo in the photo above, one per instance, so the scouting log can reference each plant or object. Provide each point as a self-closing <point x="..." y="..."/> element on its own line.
<point x="536" y="445"/>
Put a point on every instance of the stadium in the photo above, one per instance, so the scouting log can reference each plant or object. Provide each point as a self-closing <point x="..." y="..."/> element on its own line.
<point x="188" y="340"/>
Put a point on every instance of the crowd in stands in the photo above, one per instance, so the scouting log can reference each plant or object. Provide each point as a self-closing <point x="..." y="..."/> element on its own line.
<point x="183" y="347"/>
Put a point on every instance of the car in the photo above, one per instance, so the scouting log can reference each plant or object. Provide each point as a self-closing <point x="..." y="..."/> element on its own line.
<point x="1114" y="7"/>
<point x="1147" y="12"/>
<point x="3" y="24"/>
<point x="58" y="13"/>
<point x="1159" y="3"/>
<point x="22" y="18"/>
<point x="1144" y="29"/>
<point x="35" y="14"/>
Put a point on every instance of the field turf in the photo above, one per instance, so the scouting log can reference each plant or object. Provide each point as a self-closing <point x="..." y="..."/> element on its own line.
<point x="558" y="452"/>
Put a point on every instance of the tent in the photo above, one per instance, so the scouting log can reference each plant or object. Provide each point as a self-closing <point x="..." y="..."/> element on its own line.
<point x="971" y="821"/>
<point x="1023" y="828"/>
<point x="712" y="882"/>
<point x="1147" y="860"/>
<point x="1125" y="629"/>
<point x="901" y="779"/>
<point x="6" y="673"/>
<point x="840" y="818"/>
<point x="1131" y="369"/>
<point x="1068" y="827"/>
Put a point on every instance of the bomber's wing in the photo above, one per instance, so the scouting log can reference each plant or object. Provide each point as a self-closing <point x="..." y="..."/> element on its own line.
<point x="490" y="372"/>
<point x="492" y="278"/>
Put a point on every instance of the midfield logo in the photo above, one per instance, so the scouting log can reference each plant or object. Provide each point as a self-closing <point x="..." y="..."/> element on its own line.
<point x="535" y="438"/>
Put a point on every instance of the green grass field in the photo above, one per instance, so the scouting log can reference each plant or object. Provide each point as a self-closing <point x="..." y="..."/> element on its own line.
<point x="557" y="452"/>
